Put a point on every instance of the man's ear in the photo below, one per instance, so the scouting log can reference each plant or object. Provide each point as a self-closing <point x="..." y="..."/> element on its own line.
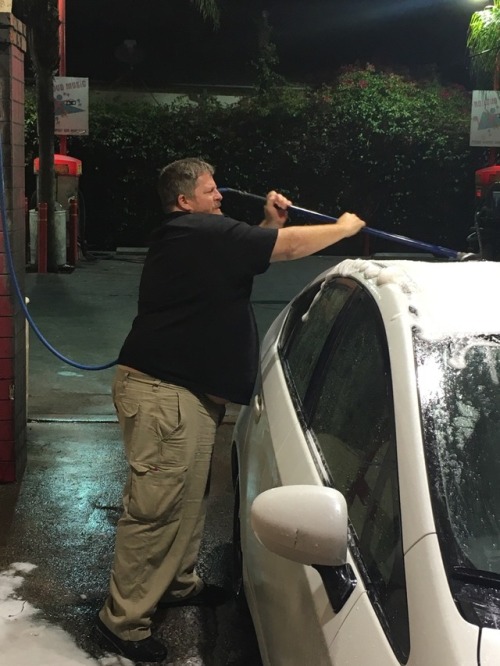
<point x="183" y="203"/>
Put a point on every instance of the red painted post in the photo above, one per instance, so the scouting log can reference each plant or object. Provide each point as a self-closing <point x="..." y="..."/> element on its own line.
<point x="42" y="238"/>
<point x="27" y="239"/>
<point x="61" y="5"/>
<point x="73" y="233"/>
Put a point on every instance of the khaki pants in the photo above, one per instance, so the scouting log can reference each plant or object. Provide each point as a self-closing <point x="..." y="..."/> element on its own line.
<point x="168" y="434"/>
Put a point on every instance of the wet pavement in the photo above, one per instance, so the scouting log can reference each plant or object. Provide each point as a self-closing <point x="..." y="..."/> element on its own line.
<point x="61" y="517"/>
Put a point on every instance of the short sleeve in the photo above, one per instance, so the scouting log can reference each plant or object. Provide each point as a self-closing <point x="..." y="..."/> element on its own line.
<point x="244" y="248"/>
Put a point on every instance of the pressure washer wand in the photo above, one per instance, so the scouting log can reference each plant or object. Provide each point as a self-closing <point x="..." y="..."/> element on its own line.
<point x="404" y="240"/>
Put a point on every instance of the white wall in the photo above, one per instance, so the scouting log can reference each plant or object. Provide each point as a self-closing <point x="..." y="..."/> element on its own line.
<point x="153" y="97"/>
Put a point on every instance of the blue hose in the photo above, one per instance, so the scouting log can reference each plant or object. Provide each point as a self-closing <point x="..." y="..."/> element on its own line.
<point x="420" y="245"/>
<point x="17" y="289"/>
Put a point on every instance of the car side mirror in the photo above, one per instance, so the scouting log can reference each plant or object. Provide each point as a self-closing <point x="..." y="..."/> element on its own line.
<point x="306" y="524"/>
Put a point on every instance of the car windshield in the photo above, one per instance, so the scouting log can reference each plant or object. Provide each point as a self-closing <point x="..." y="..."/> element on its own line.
<point x="459" y="389"/>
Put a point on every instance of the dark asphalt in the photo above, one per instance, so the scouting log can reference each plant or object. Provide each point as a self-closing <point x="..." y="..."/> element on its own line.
<point x="62" y="515"/>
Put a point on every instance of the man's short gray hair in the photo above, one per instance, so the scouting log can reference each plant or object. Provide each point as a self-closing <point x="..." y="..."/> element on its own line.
<point x="180" y="177"/>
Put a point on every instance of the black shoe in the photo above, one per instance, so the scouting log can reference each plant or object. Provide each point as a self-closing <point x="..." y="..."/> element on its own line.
<point x="210" y="595"/>
<point x="147" y="649"/>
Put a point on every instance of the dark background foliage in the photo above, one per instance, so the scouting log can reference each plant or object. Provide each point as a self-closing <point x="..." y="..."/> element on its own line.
<point x="394" y="150"/>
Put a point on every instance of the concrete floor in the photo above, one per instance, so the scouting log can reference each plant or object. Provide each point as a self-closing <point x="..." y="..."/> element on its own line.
<point x="62" y="515"/>
<point x="62" y="518"/>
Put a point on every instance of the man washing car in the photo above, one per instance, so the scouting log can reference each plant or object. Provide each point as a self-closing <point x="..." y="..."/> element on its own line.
<point x="193" y="347"/>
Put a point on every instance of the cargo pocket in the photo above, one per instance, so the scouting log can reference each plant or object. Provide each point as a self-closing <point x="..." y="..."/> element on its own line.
<point x="128" y="416"/>
<point x="170" y="429"/>
<point x="156" y="493"/>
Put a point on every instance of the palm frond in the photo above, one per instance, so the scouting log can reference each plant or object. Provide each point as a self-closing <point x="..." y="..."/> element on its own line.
<point x="483" y="39"/>
<point x="209" y="9"/>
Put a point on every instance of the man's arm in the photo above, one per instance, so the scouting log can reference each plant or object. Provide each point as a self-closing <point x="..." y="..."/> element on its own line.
<point x="297" y="242"/>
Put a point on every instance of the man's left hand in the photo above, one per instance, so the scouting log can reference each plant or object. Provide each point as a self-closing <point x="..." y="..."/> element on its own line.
<point x="275" y="210"/>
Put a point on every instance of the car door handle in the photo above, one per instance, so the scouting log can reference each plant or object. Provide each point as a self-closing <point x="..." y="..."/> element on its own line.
<point x="258" y="406"/>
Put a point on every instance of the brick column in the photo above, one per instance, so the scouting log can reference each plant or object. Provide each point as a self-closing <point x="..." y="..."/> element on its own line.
<point x="12" y="324"/>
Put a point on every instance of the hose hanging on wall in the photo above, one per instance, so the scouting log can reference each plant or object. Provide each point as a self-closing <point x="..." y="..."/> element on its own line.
<point x="17" y="289"/>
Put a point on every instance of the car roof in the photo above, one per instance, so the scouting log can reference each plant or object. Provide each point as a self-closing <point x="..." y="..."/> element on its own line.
<point x="444" y="298"/>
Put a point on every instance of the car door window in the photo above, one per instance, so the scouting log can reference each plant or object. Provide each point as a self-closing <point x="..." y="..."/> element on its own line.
<point x="308" y="326"/>
<point x="353" y="422"/>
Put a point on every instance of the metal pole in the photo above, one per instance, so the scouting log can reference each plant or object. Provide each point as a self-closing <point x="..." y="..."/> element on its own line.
<point x="27" y="229"/>
<point x="42" y="238"/>
<point x="73" y="233"/>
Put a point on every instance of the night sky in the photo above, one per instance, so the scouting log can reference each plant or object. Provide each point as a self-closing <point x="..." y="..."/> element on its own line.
<point x="313" y="38"/>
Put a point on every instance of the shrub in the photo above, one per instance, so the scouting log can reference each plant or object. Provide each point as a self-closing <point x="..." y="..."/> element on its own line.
<point x="390" y="148"/>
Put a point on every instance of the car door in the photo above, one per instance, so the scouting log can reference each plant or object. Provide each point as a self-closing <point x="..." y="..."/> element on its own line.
<point x="332" y="380"/>
<point x="294" y="620"/>
<point x="349" y="409"/>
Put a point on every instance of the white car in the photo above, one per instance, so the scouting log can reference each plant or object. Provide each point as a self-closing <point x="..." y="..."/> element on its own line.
<point x="367" y="470"/>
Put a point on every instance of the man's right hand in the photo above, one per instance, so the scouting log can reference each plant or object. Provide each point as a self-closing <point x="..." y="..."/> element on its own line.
<point x="350" y="224"/>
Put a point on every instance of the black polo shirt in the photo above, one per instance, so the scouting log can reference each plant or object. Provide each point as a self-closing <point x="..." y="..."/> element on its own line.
<point x="195" y="326"/>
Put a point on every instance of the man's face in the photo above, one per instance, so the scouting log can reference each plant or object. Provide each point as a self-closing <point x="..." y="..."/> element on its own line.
<point x="206" y="197"/>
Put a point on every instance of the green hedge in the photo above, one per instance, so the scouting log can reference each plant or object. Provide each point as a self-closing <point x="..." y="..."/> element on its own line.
<point x="394" y="150"/>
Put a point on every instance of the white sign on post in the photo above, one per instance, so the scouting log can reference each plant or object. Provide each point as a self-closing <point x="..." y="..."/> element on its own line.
<point x="71" y="100"/>
<point x="485" y="118"/>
